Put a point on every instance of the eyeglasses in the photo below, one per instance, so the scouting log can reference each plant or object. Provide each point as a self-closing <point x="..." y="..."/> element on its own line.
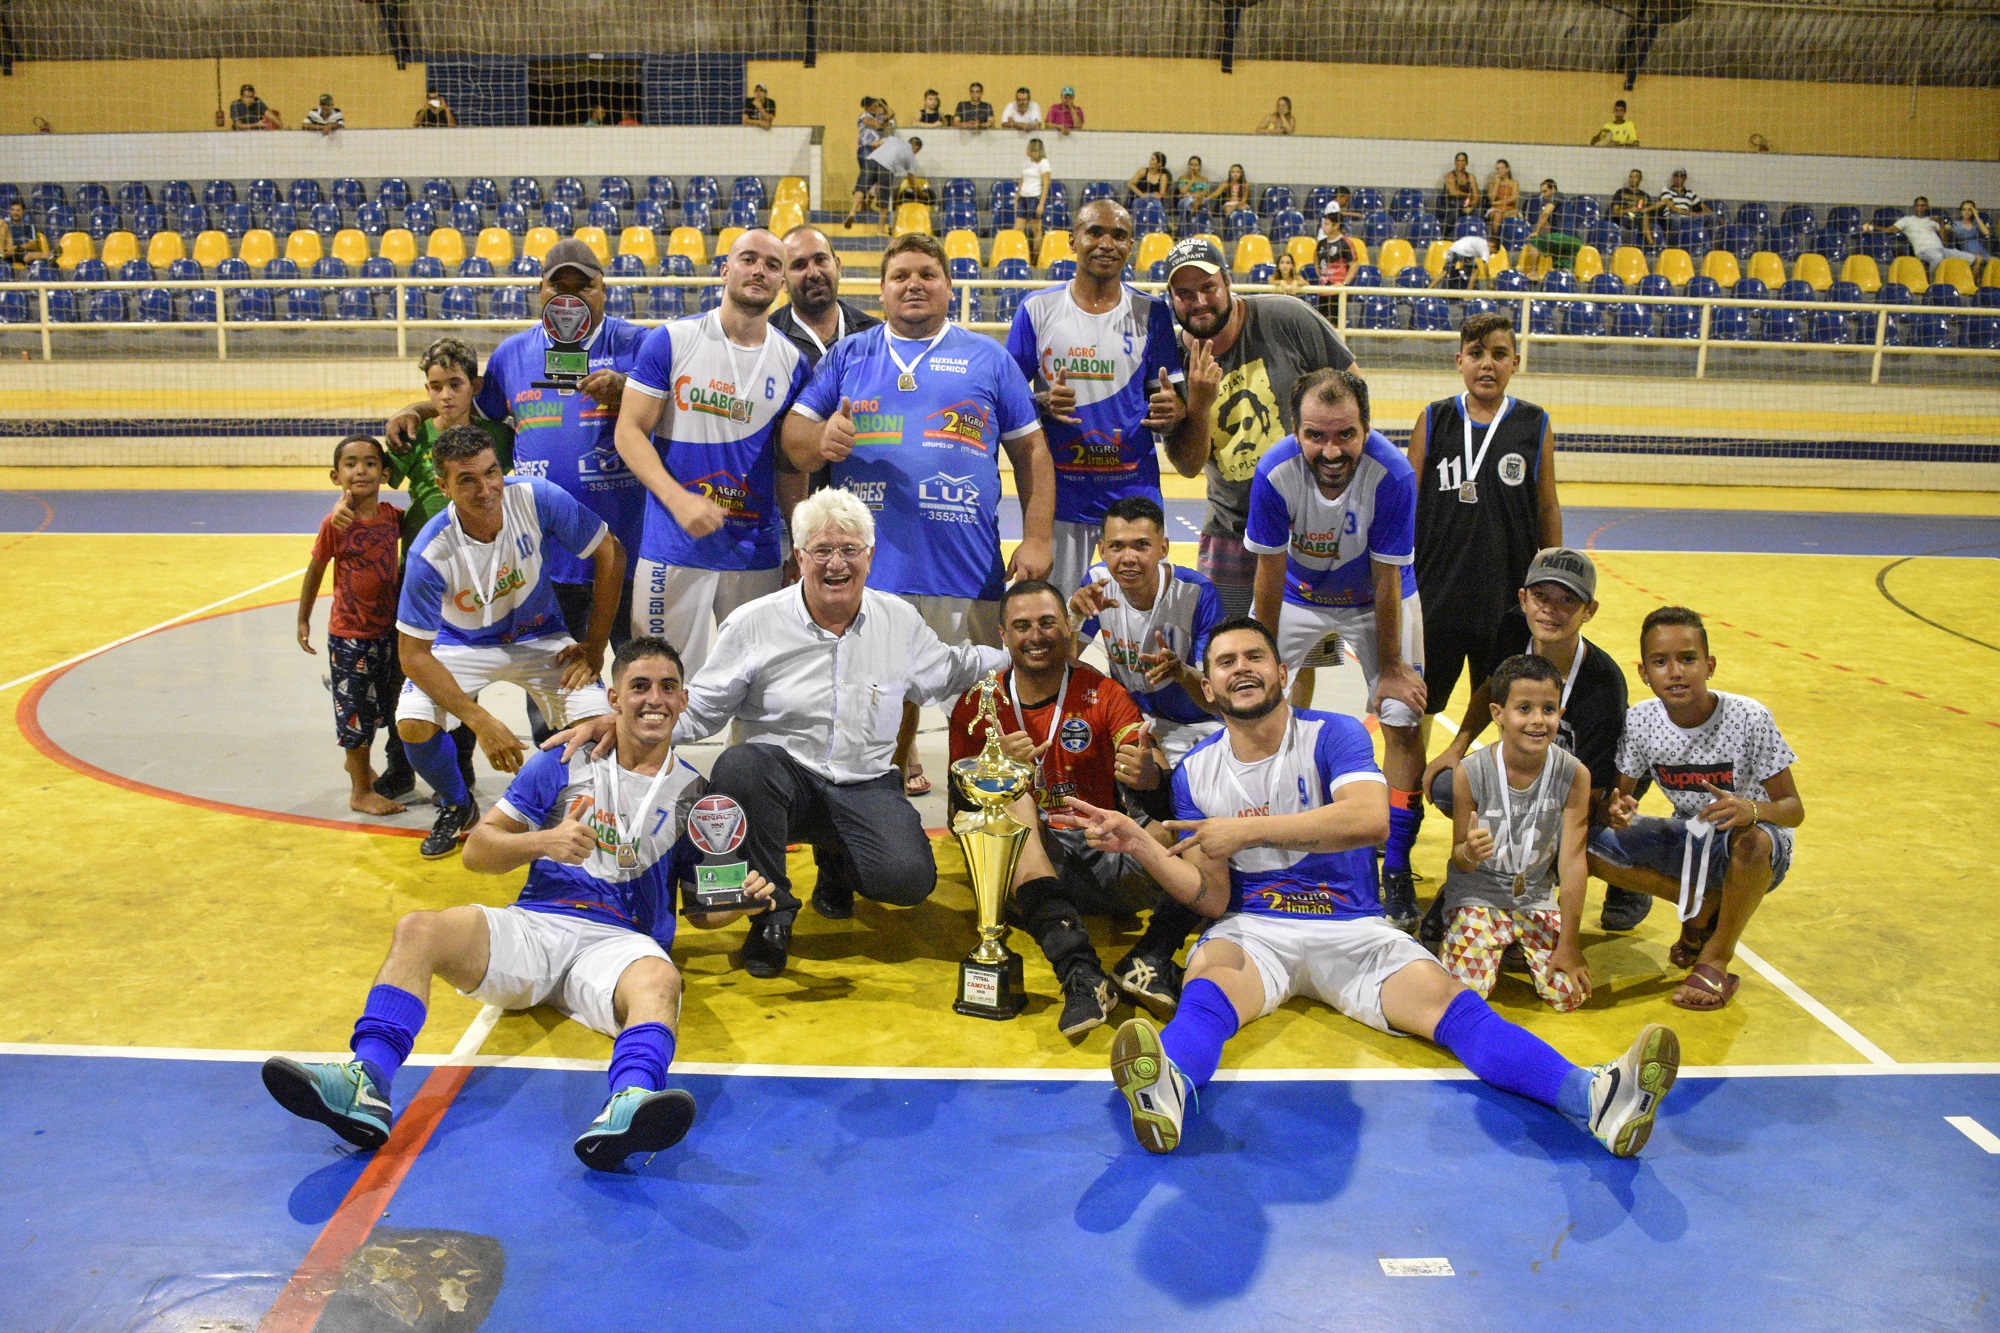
<point x="821" y="555"/>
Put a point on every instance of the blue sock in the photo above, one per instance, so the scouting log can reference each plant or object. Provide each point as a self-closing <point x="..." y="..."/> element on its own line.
<point x="1574" y="1098"/>
<point x="386" y="1030"/>
<point x="640" y="1056"/>
<point x="1406" y="816"/>
<point x="1204" y="1020"/>
<point x="1510" y="1058"/>
<point x="436" y="761"/>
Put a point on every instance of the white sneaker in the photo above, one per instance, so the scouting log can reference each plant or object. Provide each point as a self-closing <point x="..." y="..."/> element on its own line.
<point x="1153" y="1088"/>
<point x="1625" y="1094"/>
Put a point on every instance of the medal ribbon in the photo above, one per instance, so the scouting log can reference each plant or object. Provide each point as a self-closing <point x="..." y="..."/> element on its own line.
<point x="1273" y="777"/>
<point x="1472" y="461"/>
<point x="618" y="824"/>
<point x="735" y="367"/>
<point x="1055" y="720"/>
<point x="1507" y="805"/>
<point x="910" y="368"/>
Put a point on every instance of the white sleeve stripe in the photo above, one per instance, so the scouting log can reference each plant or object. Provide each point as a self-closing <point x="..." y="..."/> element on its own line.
<point x="1346" y="778"/>
<point x="801" y="410"/>
<point x="603" y="529"/>
<point x="634" y="382"/>
<point x="506" y="807"/>
<point x="1260" y="549"/>
<point x="1029" y="429"/>
<point x="1381" y="559"/>
<point x="414" y="632"/>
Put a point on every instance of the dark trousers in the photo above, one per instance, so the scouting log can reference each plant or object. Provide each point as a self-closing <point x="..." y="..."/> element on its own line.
<point x="866" y="836"/>
<point x="573" y="600"/>
<point x="1092" y="882"/>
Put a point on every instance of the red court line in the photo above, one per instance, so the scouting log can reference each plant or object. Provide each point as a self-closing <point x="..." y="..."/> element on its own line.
<point x="48" y="517"/>
<point x="299" y="1305"/>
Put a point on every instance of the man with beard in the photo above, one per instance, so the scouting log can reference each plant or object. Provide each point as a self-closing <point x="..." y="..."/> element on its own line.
<point x="713" y="527"/>
<point x="817" y="318"/>
<point x="1280" y="812"/>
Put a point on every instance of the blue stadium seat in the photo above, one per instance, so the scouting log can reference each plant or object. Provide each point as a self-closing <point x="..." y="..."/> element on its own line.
<point x="420" y="217"/>
<point x="1510" y="280"/>
<point x="281" y="268"/>
<point x="467" y="217"/>
<point x="148" y="219"/>
<point x="963" y="270"/>
<point x="130" y="195"/>
<point x="959" y="215"/>
<point x="1680" y="321"/>
<point x="1375" y="227"/>
<point x="750" y="188"/>
<point x="326" y="220"/>
<point x="1002" y="204"/>
<point x="705" y="187"/>
<point x="1096" y="190"/>
<point x="1055" y="212"/>
<point x="742" y="213"/>
<point x="326" y="266"/>
<point x="475" y="266"/>
<point x="615" y="190"/>
<point x="671" y="302"/>
<point x="1405" y="204"/>
<point x="1239" y="223"/>
<point x="175" y="193"/>
<point x="427" y="266"/>
<point x="101" y="223"/>
<point x="1469" y="226"/>
<point x="91" y="270"/>
<point x="1148" y="215"/>
<point x="260" y="193"/>
<point x="416" y="304"/>
<point x="63" y="306"/>
<point x="1799" y="217"/>
<point x="136" y="270"/>
<point x="105" y="307"/>
<point x="482" y="190"/>
<point x="960" y="187"/>
<point x="1886" y="215"/>
<point x="1742" y="240"/>
<point x="1752" y="214"/>
<point x="190" y="220"/>
<point x="91" y="195"/>
<point x="1196" y="223"/>
<point x="1788" y="242"/>
<point x="567" y="190"/>
<point x="281" y="219"/>
<point x="1367" y="199"/>
<point x="1261" y="272"/>
<point x="651" y="213"/>
<point x="1832" y="243"/>
<point x="1431" y="314"/>
<point x="1156" y="271"/>
<point x="695" y="212"/>
<point x="1058" y="190"/>
<point x="527" y="266"/>
<point x="618" y="303"/>
<point x="1513" y="231"/>
<point x="233" y="270"/>
<point x="1065" y="269"/>
<point x="217" y="193"/>
<point x="1604" y="235"/>
<point x="1584" y="319"/>
<point x="602" y="214"/>
<point x="1372" y="312"/>
<point x="512" y="302"/>
<point x="198" y="307"/>
<point x="236" y="220"/>
<point x="438" y="192"/>
<point x="525" y="191"/>
<point x="662" y="190"/>
<point x="557" y="215"/>
<point x="16" y="307"/>
<point x="1878" y="247"/>
<point x="47" y="195"/>
<point x="305" y="192"/>
<point x="711" y="299"/>
<point x="1423" y="229"/>
<point x="1691" y="234"/>
<point x="184" y="270"/>
<point x="371" y="218"/>
<point x="1845" y="217"/>
<point x="1415" y="277"/>
<point x="393" y="192"/>
<point x="347" y="192"/>
<point x="255" y="303"/>
<point x="354" y="303"/>
<point x="460" y="303"/>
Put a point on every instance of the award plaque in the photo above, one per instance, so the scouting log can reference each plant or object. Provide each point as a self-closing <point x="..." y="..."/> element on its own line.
<point x="716" y="827"/>
<point x="568" y="322"/>
<point x="989" y="978"/>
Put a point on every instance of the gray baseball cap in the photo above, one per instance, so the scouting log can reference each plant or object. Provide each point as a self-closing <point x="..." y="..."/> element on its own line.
<point x="1560" y="564"/>
<point x="572" y="254"/>
<point x="1195" y="252"/>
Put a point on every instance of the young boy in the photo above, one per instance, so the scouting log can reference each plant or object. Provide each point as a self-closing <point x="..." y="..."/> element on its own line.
<point x="1721" y="761"/>
<point x="1520" y="816"/>
<point x="361" y="630"/>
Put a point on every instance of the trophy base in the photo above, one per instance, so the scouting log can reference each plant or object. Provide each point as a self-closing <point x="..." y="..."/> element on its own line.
<point x="991" y="990"/>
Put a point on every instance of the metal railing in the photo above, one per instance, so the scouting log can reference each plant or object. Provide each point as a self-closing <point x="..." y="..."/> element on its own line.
<point x="1340" y="304"/>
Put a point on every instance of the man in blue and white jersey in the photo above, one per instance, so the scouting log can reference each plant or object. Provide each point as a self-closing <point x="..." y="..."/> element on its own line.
<point x="699" y="428"/>
<point x="1280" y="814"/>
<point x="1333" y="525"/>
<point x="477" y="607"/>
<point x="1105" y="362"/>
<point x="603" y="835"/>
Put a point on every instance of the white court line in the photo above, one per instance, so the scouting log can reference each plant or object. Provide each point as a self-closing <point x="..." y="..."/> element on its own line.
<point x="1975" y="1131"/>
<point x="1839" y="1026"/>
<point x="475" y="1035"/>
<point x="150" y="629"/>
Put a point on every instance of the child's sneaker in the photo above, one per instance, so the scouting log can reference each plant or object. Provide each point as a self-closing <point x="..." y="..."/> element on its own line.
<point x="1152" y="1086"/>
<point x="340" y="1096"/>
<point x="1625" y="1094"/>
<point x="635" y="1120"/>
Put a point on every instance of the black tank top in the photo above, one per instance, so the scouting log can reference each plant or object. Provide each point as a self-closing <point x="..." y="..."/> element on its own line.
<point x="1471" y="558"/>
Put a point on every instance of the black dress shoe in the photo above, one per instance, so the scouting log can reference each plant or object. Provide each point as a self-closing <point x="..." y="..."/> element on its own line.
<point x="833" y="901"/>
<point x="768" y="945"/>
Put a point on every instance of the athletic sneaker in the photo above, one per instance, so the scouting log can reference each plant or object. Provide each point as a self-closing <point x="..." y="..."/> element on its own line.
<point x="1625" y="1094"/>
<point x="450" y="828"/>
<point x="1150" y="981"/>
<point x="1430" y="931"/>
<point x="340" y="1096"/>
<point x="1624" y="909"/>
<point x="635" y="1120"/>
<point x="1153" y="1088"/>
<point x="1399" y="899"/>
<point x="1087" y="1001"/>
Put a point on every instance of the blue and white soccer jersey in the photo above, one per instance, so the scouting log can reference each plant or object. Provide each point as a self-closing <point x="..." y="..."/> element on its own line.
<point x="574" y="929"/>
<point x="1113" y="362"/>
<point x="927" y="459"/>
<point x="490" y="608"/>
<point x="1311" y="922"/>
<point x="722" y="406"/>
<point x="1185" y="610"/>
<point x="1330" y="549"/>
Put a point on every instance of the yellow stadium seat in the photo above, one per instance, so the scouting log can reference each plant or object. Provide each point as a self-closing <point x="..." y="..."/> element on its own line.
<point x="1360" y="249"/>
<point x="1434" y="254"/>
<point x="399" y="246"/>
<point x="726" y="238"/>
<point x="303" y="247"/>
<point x="1213" y="240"/>
<point x="496" y="246"/>
<point x="74" y="248"/>
<point x="638" y="241"/>
<point x="599" y="243"/>
<point x="1721" y="265"/>
<point x="792" y="190"/>
<point x="165" y="248"/>
<point x="120" y="249"/>
<point x="687" y="241"/>
<point x="1252" y="250"/>
<point x="1952" y="272"/>
<point x="1767" y="268"/>
<point x="1011" y="243"/>
<point x="257" y="248"/>
<point x="1675" y="266"/>
<point x="1909" y="270"/>
<point x="1991" y="278"/>
<point x="447" y="246"/>
<point x="961" y="244"/>
<point x="212" y="247"/>
<point x="1861" y="271"/>
<point x="537" y="242"/>
<point x="1812" y="270"/>
<point x="1304" y="250"/>
<point x="1153" y="247"/>
<point x="911" y="219"/>
<point x="1396" y="256"/>
<point x="1055" y="247"/>
<point x="1628" y="264"/>
<point x="350" y="247"/>
<point x="785" y="215"/>
<point x="1589" y="263"/>
<point x="1497" y="262"/>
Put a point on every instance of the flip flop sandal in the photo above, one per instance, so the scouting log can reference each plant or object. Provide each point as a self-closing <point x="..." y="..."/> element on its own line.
<point x="1706" y="981"/>
<point x="916" y="784"/>
<point x="1686" y="951"/>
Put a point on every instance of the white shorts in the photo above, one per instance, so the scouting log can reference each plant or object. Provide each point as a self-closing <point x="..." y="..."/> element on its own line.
<point x="1177" y="738"/>
<point x="958" y="620"/>
<point x="531" y="665"/>
<point x="1075" y="552"/>
<point x="563" y="961"/>
<point x="684" y="606"/>
<point x="1300" y="629"/>
<point x="1338" y="963"/>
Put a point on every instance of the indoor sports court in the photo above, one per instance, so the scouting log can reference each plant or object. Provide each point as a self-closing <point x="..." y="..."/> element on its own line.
<point x="186" y="891"/>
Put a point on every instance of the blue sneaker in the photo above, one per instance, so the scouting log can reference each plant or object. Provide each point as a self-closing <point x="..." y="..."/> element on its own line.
<point x="340" y="1096"/>
<point x="635" y="1120"/>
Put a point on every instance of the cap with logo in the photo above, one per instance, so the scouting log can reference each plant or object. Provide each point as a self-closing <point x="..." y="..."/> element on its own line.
<point x="1560" y="564"/>
<point x="572" y="254"/>
<point x="1194" y="252"/>
<point x="1068" y="91"/>
<point x="1332" y="209"/>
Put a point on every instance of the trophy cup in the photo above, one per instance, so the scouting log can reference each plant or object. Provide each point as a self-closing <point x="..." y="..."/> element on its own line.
<point x="567" y="321"/>
<point x="989" y="978"/>
<point x="716" y="827"/>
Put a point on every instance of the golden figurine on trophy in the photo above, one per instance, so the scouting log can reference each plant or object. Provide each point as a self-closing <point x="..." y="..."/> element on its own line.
<point x="989" y="978"/>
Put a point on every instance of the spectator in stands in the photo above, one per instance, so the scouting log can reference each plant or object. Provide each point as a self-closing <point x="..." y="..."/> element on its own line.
<point x="1066" y="115"/>
<point x="434" y="114"/>
<point x="628" y="118"/>
<point x="1460" y="191"/>
<point x="1288" y="279"/>
<point x="1678" y="200"/>
<point x="1503" y="194"/>
<point x="1970" y="232"/>
<point x="913" y="189"/>
<point x="1616" y="132"/>
<point x="25" y="241"/>
<point x="1924" y="233"/>
<point x="758" y="108"/>
<point x="1152" y="180"/>
<point x="869" y="127"/>
<point x="1280" y="120"/>
<point x="1461" y="262"/>
<point x="1194" y="184"/>
<point x="1234" y="192"/>
<point x="1023" y="113"/>
<point x="1334" y="252"/>
<point x="929" y="113"/>
<point x="1631" y="206"/>
<point x="1035" y="176"/>
<point x="1546" y="240"/>
<point x="975" y="112"/>
<point x="325" y="117"/>
<point x="248" y="112"/>
<point x="894" y="158"/>
<point x="597" y="119"/>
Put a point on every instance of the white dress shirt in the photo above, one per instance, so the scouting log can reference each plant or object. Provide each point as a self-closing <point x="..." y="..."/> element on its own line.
<point x="831" y="701"/>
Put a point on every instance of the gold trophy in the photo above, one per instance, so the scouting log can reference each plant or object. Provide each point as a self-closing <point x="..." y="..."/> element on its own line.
<point x="989" y="978"/>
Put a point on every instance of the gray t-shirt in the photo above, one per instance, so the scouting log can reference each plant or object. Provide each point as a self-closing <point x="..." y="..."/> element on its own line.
<point x="1526" y="845"/>
<point x="1282" y="339"/>
<point x="895" y="154"/>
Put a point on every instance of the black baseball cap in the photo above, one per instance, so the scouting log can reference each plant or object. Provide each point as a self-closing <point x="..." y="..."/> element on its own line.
<point x="1197" y="252"/>
<point x="572" y="253"/>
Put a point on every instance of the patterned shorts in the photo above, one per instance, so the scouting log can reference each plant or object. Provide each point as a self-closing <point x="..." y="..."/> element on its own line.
<point x="366" y="679"/>
<point x="1477" y="935"/>
<point x="1232" y="568"/>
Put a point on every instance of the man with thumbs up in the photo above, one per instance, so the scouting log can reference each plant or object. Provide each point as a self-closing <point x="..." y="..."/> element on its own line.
<point x="1106" y="368"/>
